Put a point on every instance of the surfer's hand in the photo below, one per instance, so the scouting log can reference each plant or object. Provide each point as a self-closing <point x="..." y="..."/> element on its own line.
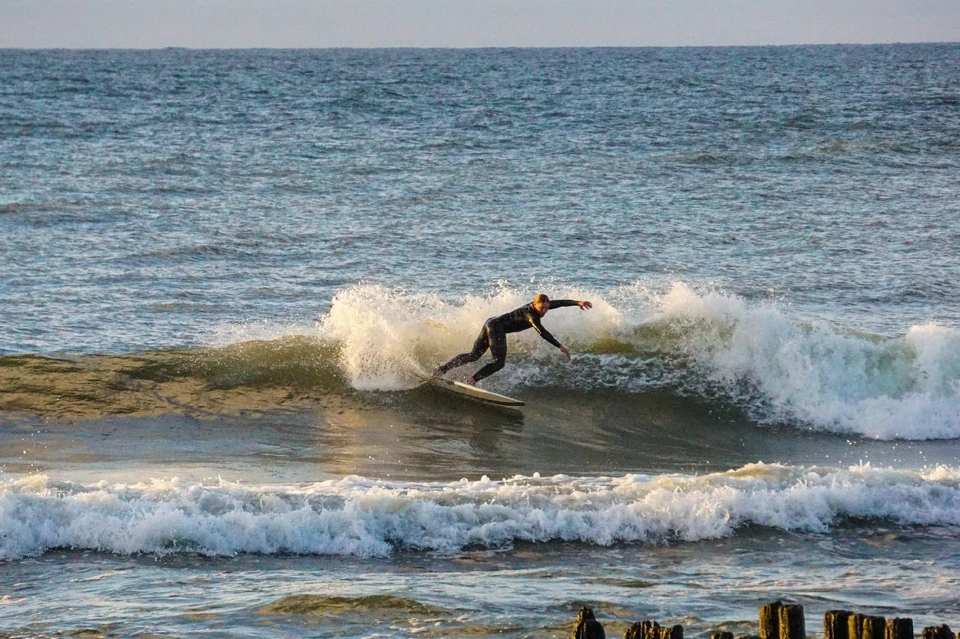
<point x="583" y="304"/>
<point x="565" y="352"/>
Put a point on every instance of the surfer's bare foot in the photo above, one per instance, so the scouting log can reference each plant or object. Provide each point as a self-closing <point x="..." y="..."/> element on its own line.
<point x="471" y="381"/>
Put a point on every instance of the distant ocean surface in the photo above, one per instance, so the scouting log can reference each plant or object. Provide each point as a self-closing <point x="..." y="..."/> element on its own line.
<point x="223" y="275"/>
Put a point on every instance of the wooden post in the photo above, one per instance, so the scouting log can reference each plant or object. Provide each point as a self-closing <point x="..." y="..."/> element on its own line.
<point x="855" y="626"/>
<point x="652" y="630"/>
<point x="643" y="630"/>
<point x="899" y="628"/>
<point x="836" y="624"/>
<point x="792" y="625"/>
<point x="938" y="632"/>
<point x="770" y="620"/>
<point x="587" y="626"/>
<point x="873" y="628"/>
<point x="674" y="632"/>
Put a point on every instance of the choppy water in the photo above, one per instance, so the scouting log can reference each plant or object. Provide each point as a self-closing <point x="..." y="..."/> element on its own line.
<point x="225" y="272"/>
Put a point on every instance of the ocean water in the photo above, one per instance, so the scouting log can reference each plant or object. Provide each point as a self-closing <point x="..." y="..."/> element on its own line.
<point x="223" y="275"/>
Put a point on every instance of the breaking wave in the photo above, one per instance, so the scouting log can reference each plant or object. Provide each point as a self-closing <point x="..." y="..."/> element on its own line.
<point x="709" y="344"/>
<point x="355" y="516"/>
<point x="703" y="343"/>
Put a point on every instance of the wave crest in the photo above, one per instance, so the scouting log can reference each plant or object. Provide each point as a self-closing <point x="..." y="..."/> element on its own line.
<point x="362" y="517"/>
<point x="708" y="344"/>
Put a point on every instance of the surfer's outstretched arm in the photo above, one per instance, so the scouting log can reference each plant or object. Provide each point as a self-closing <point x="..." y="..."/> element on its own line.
<point x="583" y="304"/>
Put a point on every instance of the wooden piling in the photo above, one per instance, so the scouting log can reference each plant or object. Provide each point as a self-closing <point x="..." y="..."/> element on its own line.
<point x="792" y="624"/>
<point x="643" y="630"/>
<point x="938" y="632"/>
<point x="652" y="630"/>
<point x="587" y="626"/>
<point x="899" y="628"/>
<point x="674" y="632"/>
<point x="873" y="628"/>
<point x="855" y="626"/>
<point x="778" y="621"/>
<point x="836" y="624"/>
<point x="770" y="620"/>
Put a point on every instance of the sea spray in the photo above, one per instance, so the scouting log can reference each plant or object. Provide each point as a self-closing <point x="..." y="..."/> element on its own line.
<point x="391" y="339"/>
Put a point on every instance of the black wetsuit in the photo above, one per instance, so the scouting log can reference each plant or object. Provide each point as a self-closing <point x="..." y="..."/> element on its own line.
<point x="494" y="336"/>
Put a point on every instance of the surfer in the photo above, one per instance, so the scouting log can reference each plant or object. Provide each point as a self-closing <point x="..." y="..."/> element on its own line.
<point x="493" y="335"/>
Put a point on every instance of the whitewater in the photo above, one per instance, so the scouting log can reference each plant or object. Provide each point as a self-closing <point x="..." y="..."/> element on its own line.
<point x="361" y="517"/>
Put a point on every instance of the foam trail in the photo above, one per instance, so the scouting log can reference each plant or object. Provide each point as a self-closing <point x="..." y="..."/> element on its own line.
<point x="362" y="517"/>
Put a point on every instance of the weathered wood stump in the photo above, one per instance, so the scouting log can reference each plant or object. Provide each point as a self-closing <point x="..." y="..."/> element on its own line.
<point x="792" y="624"/>
<point x="673" y="632"/>
<point x="836" y="624"/>
<point x="770" y="620"/>
<point x="652" y="630"/>
<point x="873" y="628"/>
<point x="855" y="626"/>
<point x="649" y="630"/>
<point x="938" y="632"/>
<point x="723" y="634"/>
<point x="587" y="627"/>
<point x="899" y="628"/>
<point x="643" y="630"/>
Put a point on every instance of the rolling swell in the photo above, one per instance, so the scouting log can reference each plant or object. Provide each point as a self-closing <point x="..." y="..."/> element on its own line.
<point x="253" y="375"/>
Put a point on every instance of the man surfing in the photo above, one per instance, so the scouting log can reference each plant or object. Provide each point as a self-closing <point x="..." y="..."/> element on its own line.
<point x="494" y="335"/>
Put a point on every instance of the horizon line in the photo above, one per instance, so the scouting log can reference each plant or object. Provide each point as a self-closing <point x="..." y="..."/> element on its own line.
<point x="486" y="47"/>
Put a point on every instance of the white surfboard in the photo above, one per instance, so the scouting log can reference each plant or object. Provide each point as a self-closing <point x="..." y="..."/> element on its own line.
<point x="488" y="397"/>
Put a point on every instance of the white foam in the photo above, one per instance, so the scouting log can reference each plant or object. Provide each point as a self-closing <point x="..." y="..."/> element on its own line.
<point x="884" y="388"/>
<point x="361" y="517"/>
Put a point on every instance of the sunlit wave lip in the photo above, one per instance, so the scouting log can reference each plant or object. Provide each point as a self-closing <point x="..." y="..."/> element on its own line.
<point x="356" y="516"/>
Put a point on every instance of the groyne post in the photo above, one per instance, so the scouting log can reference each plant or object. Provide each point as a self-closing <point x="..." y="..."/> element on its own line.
<point x="855" y="626"/>
<point x="873" y="628"/>
<point x="938" y="632"/>
<point x="779" y="621"/>
<point x="770" y="620"/>
<point x="899" y="628"/>
<point x="653" y="630"/>
<point x="836" y="624"/>
<point x="587" y="626"/>
<point x="792" y="624"/>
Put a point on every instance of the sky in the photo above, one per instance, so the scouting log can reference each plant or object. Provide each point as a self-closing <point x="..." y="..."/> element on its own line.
<point x="470" y="23"/>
